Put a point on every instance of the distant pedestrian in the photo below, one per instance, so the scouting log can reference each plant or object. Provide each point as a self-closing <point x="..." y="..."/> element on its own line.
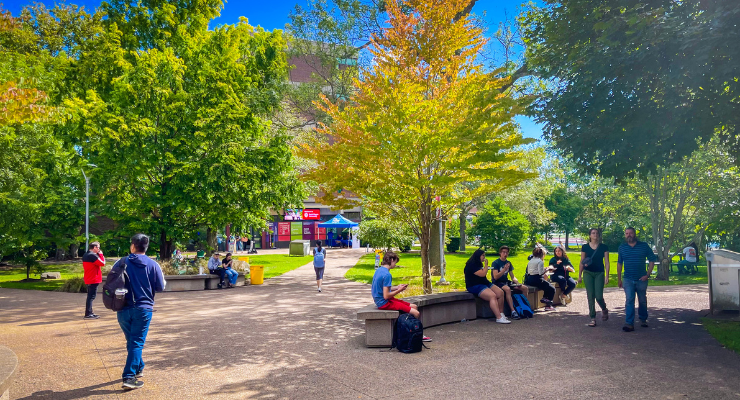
<point x="536" y="277"/>
<point x="561" y="275"/>
<point x="633" y="256"/>
<point x="594" y="272"/>
<point x="145" y="279"/>
<point x="319" y="257"/>
<point x="92" y="264"/>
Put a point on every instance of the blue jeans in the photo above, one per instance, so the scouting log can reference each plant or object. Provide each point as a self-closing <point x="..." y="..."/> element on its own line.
<point x="630" y="289"/>
<point x="231" y="275"/>
<point x="135" y="324"/>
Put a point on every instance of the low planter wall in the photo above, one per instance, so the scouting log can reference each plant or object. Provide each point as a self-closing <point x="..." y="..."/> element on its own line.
<point x="186" y="283"/>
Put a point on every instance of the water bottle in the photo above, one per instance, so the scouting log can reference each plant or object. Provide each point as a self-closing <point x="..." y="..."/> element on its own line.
<point x="120" y="293"/>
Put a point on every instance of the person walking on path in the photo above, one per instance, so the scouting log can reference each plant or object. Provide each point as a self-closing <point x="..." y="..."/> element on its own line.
<point x="633" y="256"/>
<point x="594" y="272"/>
<point x="562" y="266"/>
<point x="536" y="277"/>
<point x="229" y="272"/>
<point x="214" y="267"/>
<point x="92" y="264"/>
<point x="319" y="257"/>
<point x="145" y="279"/>
<point x="476" y="283"/>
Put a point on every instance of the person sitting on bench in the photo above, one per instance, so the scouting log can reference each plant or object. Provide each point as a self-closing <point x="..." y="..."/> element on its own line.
<point x="214" y="267"/>
<point x="536" y="277"/>
<point x="562" y="267"/>
<point x="500" y="272"/>
<point x="229" y="272"/>
<point x="688" y="264"/>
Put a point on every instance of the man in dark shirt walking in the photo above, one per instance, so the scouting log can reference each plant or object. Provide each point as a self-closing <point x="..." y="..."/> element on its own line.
<point x="633" y="255"/>
<point x="145" y="279"/>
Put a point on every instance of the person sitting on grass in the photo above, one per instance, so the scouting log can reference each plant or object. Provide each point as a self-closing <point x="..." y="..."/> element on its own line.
<point x="536" y="277"/>
<point x="384" y="297"/>
<point x="476" y="283"/>
<point x="229" y="272"/>
<point x="214" y="267"/>
<point x="561" y="276"/>
<point x="500" y="272"/>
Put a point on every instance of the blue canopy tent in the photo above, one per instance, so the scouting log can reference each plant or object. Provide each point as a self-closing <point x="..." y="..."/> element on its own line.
<point x="340" y="222"/>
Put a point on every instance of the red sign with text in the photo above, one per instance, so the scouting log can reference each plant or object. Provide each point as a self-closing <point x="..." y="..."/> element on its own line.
<point x="283" y="231"/>
<point x="311" y="214"/>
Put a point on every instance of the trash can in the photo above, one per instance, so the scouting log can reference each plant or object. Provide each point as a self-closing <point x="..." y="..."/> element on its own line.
<point x="243" y="258"/>
<point x="257" y="274"/>
<point x="723" y="268"/>
<point x="299" y="248"/>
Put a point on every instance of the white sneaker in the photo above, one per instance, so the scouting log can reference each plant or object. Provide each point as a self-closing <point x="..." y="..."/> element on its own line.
<point x="319" y="290"/>
<point x="503" y="320"/>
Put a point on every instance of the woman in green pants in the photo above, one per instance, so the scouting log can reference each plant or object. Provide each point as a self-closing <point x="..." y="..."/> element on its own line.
<point x="594" y="271"/>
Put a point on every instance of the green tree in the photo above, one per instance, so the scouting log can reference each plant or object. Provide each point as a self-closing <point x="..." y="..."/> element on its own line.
<point x="385" y="234"/>
<point x="567" y="206"/>
<point x="635" y="84"/>
<point x="412" y="134"/>
<point x="498" y="225"/>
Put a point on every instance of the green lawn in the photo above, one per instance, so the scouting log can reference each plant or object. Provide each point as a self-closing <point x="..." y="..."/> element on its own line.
<point x="278" y="264"/>
<point x="726" y="332"/>
<point x="275" y="264"/>
<point x="410" y="273"/>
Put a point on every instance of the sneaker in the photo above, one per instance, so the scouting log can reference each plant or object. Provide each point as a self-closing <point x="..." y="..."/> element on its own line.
<point x="604" y="315"/>
<point x="592" y="323"/>
<point x="319" y="290"/>
<point x="503" y="320"/>
<point x="549" y="308"/>
<point x="426" y="339"/>
<point x="91" y="316"/>
<point x="515" y="315"/>
<point x="563" y="301"/>
<point x="220" y="286"/>
<point x="628" y="328"/>
<point x="131" y="383"/>
<point x="543" y="300"/>
<point x="643" y="324"/>
<point x="140" y="374"/>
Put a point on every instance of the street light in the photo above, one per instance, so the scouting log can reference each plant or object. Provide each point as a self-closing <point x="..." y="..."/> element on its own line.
<point x="87" y="206"/>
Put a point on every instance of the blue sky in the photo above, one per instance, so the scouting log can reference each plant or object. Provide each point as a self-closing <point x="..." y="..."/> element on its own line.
<point x="273" y="14"/>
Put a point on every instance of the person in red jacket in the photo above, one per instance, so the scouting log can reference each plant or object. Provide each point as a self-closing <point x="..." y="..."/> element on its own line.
<point x="92" y="262"/>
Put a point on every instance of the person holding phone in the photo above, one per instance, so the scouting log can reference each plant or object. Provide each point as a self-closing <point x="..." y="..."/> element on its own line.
<point x="536" y="272"/>
<point x="561" y="275"/>
<point x="384" y="297"/>
<point x="476" y="269"/>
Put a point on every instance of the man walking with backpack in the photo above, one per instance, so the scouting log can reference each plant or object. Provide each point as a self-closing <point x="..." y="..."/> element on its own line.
<point x="144" y="279"/>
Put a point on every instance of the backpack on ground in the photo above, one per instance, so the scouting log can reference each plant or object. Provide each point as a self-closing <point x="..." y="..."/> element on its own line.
<point x="318" y="257"/>
<point x="117" y="281"/>
<point x="407" y="337"/>
<point x="521" y="305"/>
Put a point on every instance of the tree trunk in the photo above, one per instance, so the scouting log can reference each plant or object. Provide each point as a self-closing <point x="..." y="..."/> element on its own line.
<point x="435" y="252"/>
<point x="59" y="256"/>
<point x="664" y="269"/>
<point x="567" y="240"/>
<point x="463" y="222"/>
<point x="165" y="246"/>
<point x="210" y="241"/>
<point x="425" y="270"/>
<point x="74" y="248"/>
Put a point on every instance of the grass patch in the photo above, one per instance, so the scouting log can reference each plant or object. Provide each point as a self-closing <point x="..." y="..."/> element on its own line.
<point x="726" y="332"/>
<point x="11" y="277"/>
<point x="410" y="272"/>
<point x="278" y="264"/>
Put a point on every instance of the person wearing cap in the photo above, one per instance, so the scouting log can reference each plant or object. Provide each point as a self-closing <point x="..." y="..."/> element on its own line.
<point x="215" y="268"/>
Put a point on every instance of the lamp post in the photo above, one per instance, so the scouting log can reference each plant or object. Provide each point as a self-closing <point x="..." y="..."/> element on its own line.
<point x="87" y="206"/>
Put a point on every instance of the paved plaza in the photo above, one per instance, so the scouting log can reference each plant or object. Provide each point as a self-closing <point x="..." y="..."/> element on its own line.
<point x="283" y="340"/>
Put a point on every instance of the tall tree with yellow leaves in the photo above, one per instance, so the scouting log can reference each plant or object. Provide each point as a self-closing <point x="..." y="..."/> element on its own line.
<point x="424" y="120"/>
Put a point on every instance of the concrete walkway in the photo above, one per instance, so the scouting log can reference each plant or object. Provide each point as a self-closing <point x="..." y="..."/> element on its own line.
<point x="283" y="340"/>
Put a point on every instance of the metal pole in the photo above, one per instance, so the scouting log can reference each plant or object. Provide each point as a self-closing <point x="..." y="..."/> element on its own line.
<point x="87" y="211"/>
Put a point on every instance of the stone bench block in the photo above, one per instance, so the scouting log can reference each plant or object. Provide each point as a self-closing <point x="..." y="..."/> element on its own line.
<point x="443" y="308"/>
<point x="212" y="281"/>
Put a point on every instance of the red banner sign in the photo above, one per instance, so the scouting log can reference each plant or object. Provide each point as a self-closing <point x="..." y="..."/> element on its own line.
<point x="310" y="213"/>
<point x="283" y="228"/>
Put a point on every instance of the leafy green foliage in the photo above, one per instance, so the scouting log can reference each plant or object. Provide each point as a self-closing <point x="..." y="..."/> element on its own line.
<point x="498" y="225"/>
<point x="635" y="84"/>
<point x="567" y="206"/>
<point x="385" y="234"/>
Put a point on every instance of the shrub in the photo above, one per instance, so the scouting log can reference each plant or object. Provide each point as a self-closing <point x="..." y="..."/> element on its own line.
<point x="73" y="285"/>
<point x="385" y="234"/>
<point x="454" y="244"/>
<point x="498" y="225"/>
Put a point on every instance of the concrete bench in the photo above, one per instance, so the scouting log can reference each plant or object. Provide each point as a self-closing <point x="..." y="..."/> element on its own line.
<point x="212" y="281"/>
<point x="435" y="309"/>
<point x="185" y="283"/>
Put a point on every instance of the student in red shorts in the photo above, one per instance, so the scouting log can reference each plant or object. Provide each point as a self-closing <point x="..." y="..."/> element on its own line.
<point x="384" y="297"/>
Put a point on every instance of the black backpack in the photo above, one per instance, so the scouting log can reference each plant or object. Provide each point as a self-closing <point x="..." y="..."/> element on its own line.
<point x="117" y="279"/>
<point x="408" y="334"/>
